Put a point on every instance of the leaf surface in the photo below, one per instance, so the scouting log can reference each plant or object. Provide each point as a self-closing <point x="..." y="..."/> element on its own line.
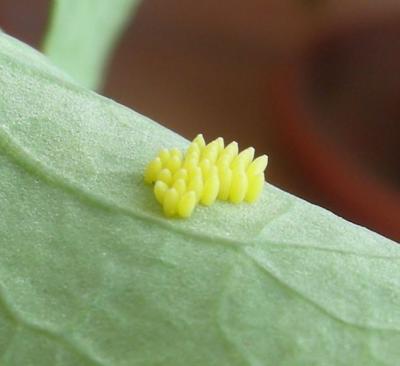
<point x="91" y="273"/>
<point x="82" y="34"/>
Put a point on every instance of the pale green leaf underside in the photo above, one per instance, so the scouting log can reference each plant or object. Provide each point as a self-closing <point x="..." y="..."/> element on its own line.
<point x="82" y="34"/>
<point x="91" y="273"/>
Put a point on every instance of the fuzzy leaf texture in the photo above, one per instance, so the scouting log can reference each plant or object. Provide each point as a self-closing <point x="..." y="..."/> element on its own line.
<point x="82" y="34"/>
<point x="91" y="273"/>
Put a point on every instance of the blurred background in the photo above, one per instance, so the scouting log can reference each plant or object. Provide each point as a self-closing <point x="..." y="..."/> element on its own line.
<point x="315" y="84"/>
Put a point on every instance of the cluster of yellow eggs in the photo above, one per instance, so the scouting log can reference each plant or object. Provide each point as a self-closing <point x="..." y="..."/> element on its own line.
<point x="203" y="174"/>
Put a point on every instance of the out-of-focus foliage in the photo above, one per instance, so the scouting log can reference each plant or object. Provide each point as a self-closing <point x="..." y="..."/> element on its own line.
<point x="82" y="34"/>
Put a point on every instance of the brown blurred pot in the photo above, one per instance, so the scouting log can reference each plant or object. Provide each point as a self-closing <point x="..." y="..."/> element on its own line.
<point x="351" y="187"/>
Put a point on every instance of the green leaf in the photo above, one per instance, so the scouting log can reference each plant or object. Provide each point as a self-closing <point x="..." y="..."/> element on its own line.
<point x="82" y="34"/>
<point x="91" y="273"/>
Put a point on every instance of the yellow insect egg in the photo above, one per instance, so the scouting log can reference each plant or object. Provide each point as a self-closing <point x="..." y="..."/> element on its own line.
<point x="205" y="166"/>
<point x="211" y="189"/>
<point x="232" y="149"/>
<point x="199" y="140"/>
<point x="210" y="152"/>
<point x="165" y="176"/>
<point x="174" y="163"/>
<point x="187" y="204"/>
<point x="192" y="155"/>
<point x="214" y="170"/>
<point x="170" y="203"/>
<point x="237" y="163"/>
<point x="181" y="173"/>
<point x="244" y="158"/>
<point x="225" y="160"/>
<point x="160" y="188"/>
<point x="196" y="185"/>
<point x="220" y="143"/>
<point x="176" y="152"/>
<point x="180" y="186"/>
<point x="152" y="170"/>
<point x="193" y="148"/>
<point x="258" y="165"/>
<point x="164" y="155"/>
<point x="195" y="172"/>
<point x="256" y="184"/>
<point x="225" y="181"/>
<point x="247" y="155"/>
<point x="211" y="155"/>
<point x="239" y="186"/>
<point x="190" y="164"/>
<point x="191" y="161"/>
<point x="228" y="154"/>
